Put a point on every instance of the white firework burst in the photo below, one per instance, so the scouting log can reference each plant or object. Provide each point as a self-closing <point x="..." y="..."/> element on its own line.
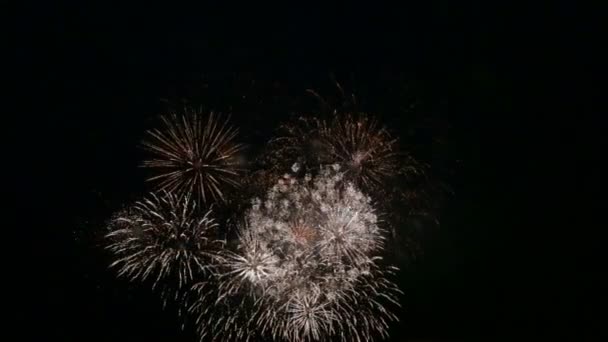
<point x="194" y="156"/>
<point x="307" y="263"/>
<point x="164" y="237"/>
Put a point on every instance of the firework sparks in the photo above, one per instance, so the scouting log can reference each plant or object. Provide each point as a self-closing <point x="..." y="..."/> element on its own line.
<point x="367" y="152"/>
<point x="162" y="237"/>
<point x="303" y="262"/>
<point x="193" y="156"/>
<point x="371" y="158"/>
<point x="307" y="261"/>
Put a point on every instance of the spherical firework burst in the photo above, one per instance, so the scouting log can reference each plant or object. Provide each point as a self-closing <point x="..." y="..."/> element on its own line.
<point x="307" y="263"/>
<point x="193" y="155"/>
<point x="368" y="154"/>
<point x="163" y="238"/>
<point x="366" y="151"/>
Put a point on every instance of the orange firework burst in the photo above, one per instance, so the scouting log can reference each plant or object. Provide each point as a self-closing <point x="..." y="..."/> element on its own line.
<point x="303" y="233"/>
<point x="194" y="155"/>
<point x="366" y="151"/>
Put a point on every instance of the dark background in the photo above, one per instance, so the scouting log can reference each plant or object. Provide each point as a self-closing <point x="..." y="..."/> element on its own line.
<point x="505" y="110"/>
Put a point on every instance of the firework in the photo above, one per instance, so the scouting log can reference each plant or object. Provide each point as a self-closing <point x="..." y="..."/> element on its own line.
<point x="163" y="238"/>
<point x="373" y="160"/>
<point x="368" y="154"/>
<point x="194" y="156"/>
<point x="307" y="263"/>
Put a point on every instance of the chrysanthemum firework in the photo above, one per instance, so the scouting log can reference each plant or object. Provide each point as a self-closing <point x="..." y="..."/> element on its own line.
<point x="366" y="151"/>
<point x="308" y="264"/>
<point x="164" y="238"/>
<point x="195" y="155"/>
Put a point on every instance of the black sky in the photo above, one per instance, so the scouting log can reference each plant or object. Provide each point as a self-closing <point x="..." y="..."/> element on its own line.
<point x="514" y="83"/>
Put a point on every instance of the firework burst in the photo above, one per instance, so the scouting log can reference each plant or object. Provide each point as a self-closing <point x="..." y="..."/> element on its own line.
<point x="194" y="156"/>
<point x="163" y="238"/>
<point x="307" y="263"/>
<point x="366" y="151"/>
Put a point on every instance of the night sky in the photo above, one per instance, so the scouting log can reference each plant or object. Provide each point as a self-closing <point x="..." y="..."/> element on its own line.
<point x="499" y="99"/>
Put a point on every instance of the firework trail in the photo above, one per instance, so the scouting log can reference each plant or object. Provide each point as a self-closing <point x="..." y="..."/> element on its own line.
<point x="308" y="265"/>
<point x="194" y="156"/>
<point x="164" y="239"/>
